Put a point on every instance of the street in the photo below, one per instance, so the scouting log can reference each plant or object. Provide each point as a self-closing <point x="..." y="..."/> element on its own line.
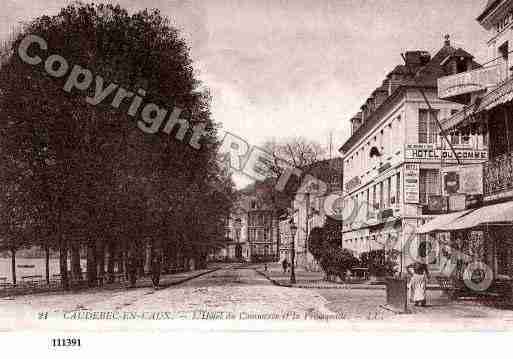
<point x="240" y="291"/>
<point x="237" y="297"/>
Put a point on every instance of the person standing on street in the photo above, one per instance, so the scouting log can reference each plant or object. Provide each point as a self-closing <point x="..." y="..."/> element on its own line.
<point x="418" y="283"/>
<point x="285" y="265"/>
<point x="155" y="271"/>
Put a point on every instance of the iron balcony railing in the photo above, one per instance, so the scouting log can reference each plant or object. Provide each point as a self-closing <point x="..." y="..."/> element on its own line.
<point x="498" y="175"/>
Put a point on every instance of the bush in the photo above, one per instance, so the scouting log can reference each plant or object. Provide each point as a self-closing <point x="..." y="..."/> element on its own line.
<point x="380" y="263"/>
<point x="334" y="260"/>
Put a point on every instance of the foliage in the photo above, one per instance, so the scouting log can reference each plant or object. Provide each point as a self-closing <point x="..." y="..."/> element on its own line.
<point x="86" y="175"/>
<point x="379" y="262"/>
<point x="333" y="259"/>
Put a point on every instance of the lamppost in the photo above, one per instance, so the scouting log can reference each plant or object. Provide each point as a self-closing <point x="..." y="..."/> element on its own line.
<point x="238" y="249"/>
<point x="293" y="231"/>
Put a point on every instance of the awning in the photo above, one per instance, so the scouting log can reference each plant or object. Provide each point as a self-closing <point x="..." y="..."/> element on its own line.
<point x="441" y="221"/>
<point x="497" y="214"/>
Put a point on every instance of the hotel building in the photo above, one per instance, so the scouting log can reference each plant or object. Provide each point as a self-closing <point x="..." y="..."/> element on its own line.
<point x="394" y="160"/>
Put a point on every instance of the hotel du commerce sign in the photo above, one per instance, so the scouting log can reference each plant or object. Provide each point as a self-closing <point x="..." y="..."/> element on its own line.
<point x="422" y="152"/>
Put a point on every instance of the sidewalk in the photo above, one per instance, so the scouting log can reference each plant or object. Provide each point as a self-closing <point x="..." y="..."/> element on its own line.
<point x="316" y="280"/>
<point x="308" y="280"/>
<point x="166" y="280"/>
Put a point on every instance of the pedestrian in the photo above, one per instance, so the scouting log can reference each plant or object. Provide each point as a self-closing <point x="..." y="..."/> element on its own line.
<point x="155" y="271"/>
<point x="132" y="270"/>
<point x="285" y="265"/>
<point x="418" y="283"/>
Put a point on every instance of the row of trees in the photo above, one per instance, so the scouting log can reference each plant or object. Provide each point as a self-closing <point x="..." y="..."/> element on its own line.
<point x="75" y="176"/>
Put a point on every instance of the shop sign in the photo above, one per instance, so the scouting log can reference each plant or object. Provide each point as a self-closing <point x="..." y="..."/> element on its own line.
<point x="353" y="183"/>
<point x="463" y="179"/>
<point x="429" y="152"/>
<point x="411" y="183"/>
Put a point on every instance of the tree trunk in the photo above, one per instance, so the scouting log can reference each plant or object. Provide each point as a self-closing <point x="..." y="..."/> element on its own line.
<point x="63" y="264"/>
<point x="13" y="265"/>
<point x="76" y="268"/>
<point x="101" y="262"/>
<point x="124" y="267"/>
<point x="111" y="259"/>
<point x="47" y="264"/>
<point x="91" y="263"/>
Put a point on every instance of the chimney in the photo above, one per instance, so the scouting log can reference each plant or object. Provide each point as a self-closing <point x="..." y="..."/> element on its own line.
<point x="415" y="59"/>
<point x="447" y="41"/>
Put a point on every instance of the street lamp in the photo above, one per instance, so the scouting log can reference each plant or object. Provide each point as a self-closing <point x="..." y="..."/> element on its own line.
<point x="293" y="231"/>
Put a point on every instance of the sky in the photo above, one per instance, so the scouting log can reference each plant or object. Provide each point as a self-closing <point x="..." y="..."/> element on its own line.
<point x="284" y="68"/>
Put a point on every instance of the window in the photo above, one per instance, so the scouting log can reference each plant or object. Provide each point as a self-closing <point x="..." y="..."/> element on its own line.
<point x="428" y="128"/>
<point x="381" y="201"/>
<point x="398" y="189"/>
<point x="429" y="184"/>
<point x="389" y="192"/>
<point x="367" y="199"/>
<point x="504" y="51"/>
<point x="374" y="197"/>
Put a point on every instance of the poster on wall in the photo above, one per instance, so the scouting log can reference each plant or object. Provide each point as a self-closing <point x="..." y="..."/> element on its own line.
<point x="466" y="179"/>
<point x="411" y="183"/>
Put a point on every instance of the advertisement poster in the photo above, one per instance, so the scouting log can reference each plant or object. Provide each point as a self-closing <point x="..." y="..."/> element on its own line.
<point x="411" y="183"/>
<point x="466" y="179"/>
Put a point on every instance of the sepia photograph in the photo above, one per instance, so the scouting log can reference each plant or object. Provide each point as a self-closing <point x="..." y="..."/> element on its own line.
<point x="255" y="166"/>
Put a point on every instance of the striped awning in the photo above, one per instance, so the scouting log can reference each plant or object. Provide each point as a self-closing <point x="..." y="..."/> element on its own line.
<point x="438" y="223"/>
<point x="492" y="215"/>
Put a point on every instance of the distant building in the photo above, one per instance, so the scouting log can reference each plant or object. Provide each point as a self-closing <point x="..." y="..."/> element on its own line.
<point x="308" y="210"/>
<point x="258" y="211"/>
<point x="394" y="159"/>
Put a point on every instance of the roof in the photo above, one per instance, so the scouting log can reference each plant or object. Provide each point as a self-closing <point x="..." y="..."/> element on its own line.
<point x="425" y="77"/>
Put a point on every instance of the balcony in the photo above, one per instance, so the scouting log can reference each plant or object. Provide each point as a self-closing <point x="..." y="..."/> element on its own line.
<point x="456" y="86"/>
<point x="498" y="177"/>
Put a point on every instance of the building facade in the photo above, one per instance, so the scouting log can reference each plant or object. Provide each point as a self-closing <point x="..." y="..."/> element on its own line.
<point x="394" y="159"/>
<point x="252" y="231"/>
<point x="487" y="95"/>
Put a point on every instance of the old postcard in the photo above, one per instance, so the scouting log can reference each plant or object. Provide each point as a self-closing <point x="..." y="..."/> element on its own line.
<point x="255" y="166"/>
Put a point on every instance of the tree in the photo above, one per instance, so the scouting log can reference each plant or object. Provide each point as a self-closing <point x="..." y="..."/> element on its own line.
<point x="97" y="181"/>
<point x="296" y="151"/>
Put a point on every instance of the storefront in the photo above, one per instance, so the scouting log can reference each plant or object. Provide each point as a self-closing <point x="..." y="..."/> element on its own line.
<point x="479" y="239"/>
